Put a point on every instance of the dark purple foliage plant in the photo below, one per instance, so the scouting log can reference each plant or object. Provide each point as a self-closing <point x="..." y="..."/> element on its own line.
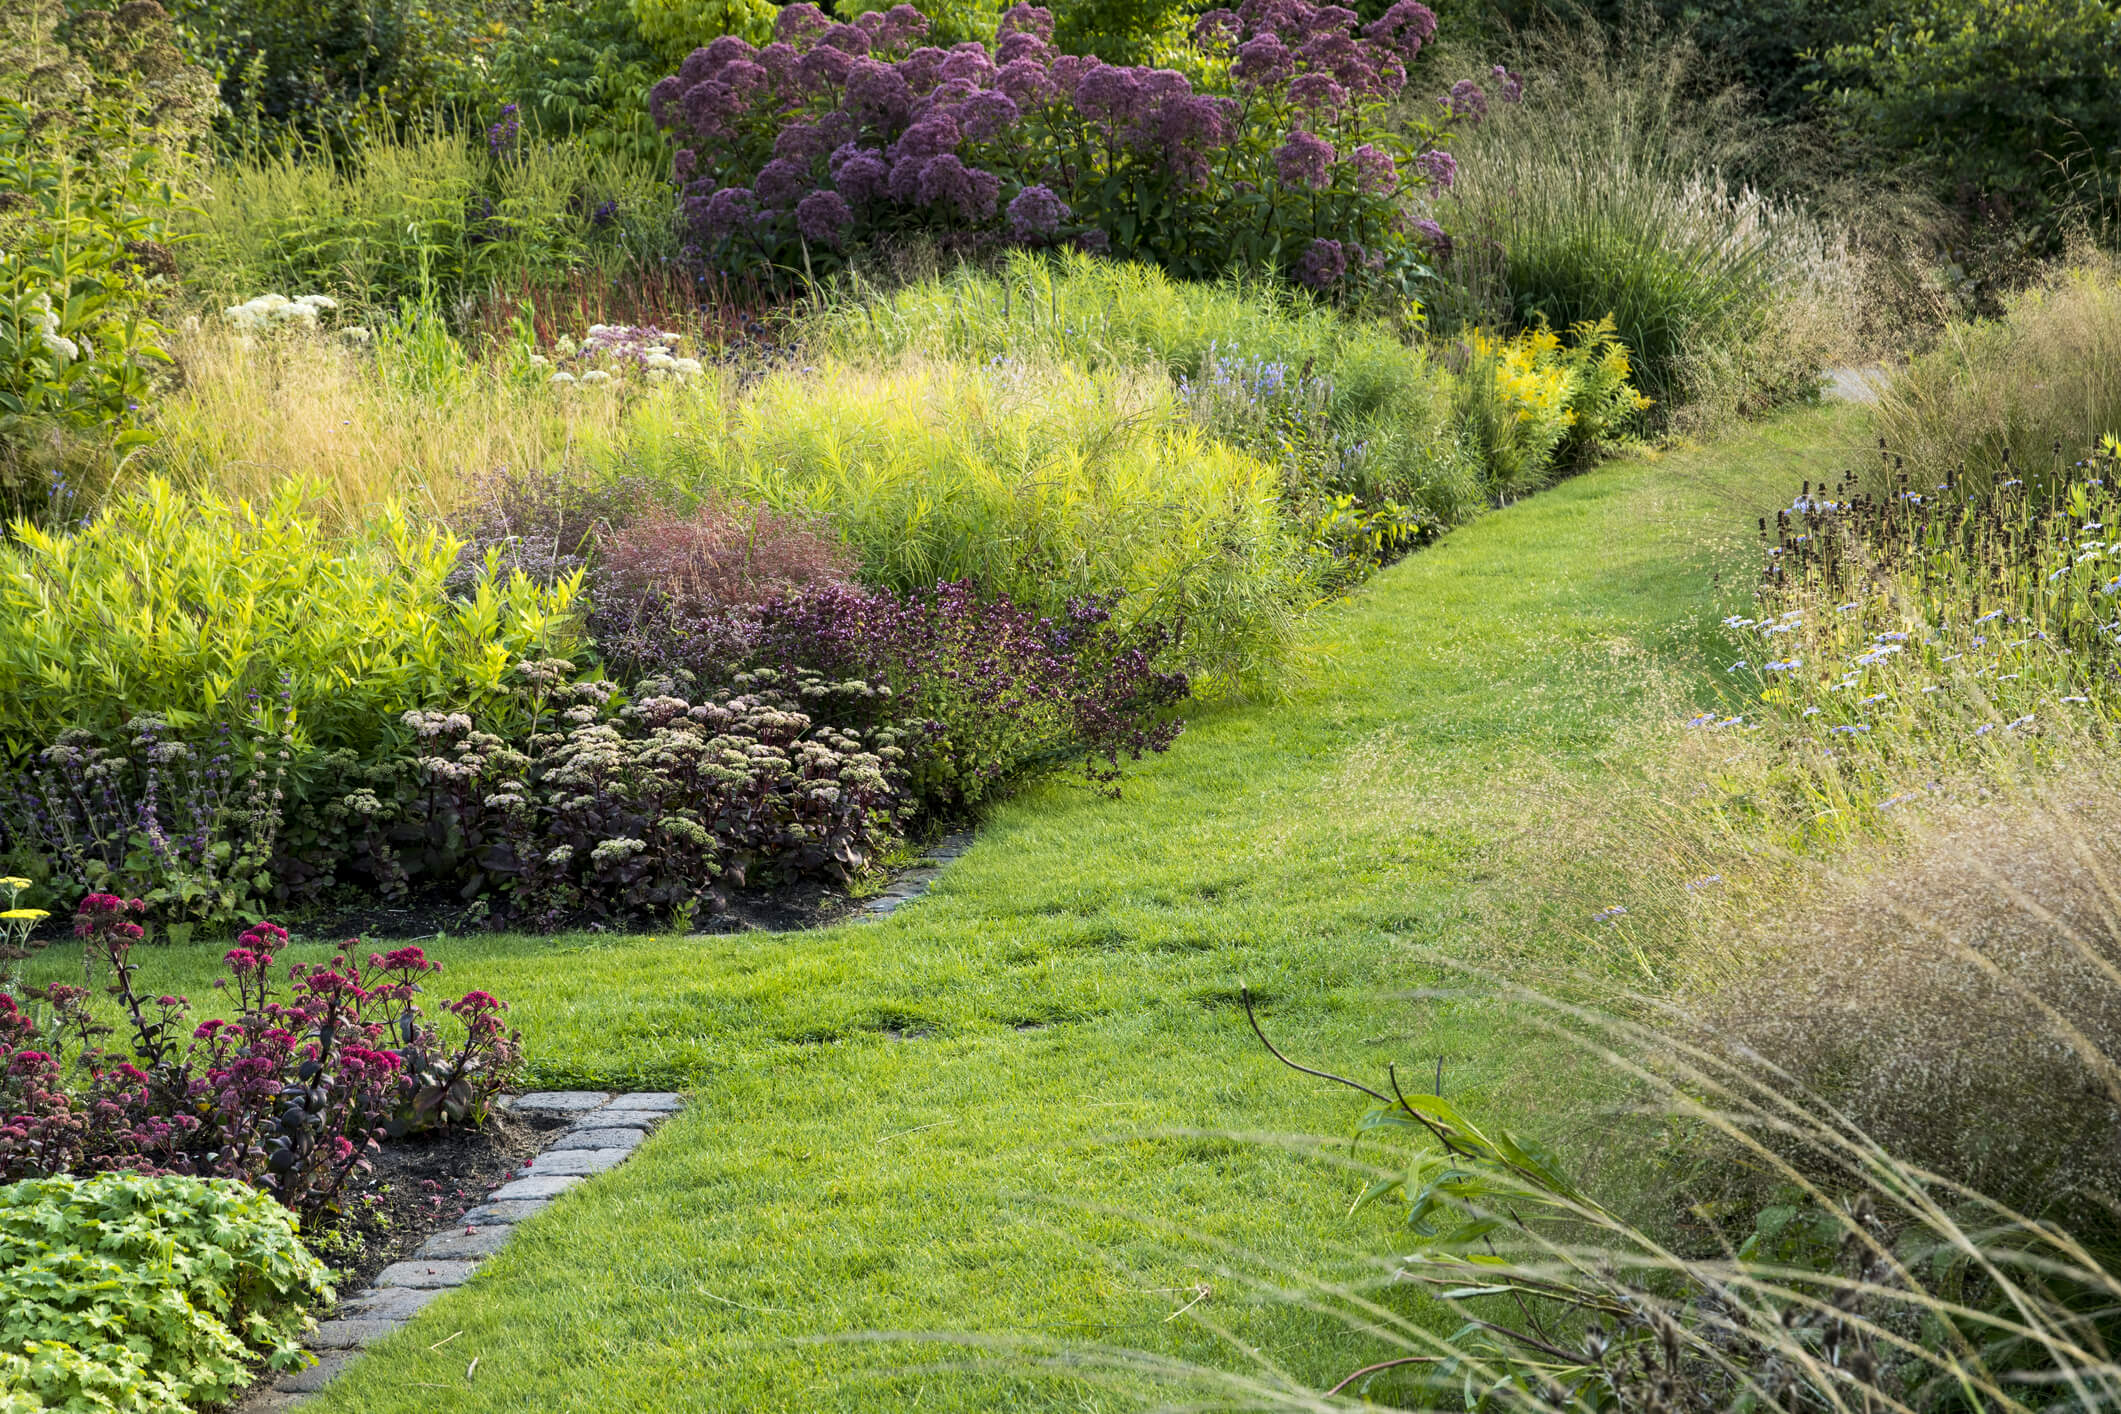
<point x="291" y="1093"/>
<point x="836" y="134"/>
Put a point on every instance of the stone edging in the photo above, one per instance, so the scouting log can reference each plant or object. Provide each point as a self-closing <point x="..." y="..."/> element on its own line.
<point x="604" y="1131"/>
<point x="915" y="881"/>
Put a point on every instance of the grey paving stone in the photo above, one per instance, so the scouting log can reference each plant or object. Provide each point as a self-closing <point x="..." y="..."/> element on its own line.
<point x="661" y="1101"/>
<point x="348" y="1335"/>
<point x="559" y="1102"/>
<point x="576" y="1164"/>
<point x="274" y="1402"/>
<point x="597" y="1139"/>
<point x="513" y="1210"/>
<point x="459" y="1244"/>
<point x="425" y="1274"/>
<point x="541" y="1184"/>
<point x="395" y="1303"/>
<point x="614" y="1119"/>
<point x="317" y="1376"/>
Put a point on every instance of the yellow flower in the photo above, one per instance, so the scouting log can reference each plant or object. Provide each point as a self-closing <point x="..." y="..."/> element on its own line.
<point x="22" y="914"/>
<point x="11" y="882"/>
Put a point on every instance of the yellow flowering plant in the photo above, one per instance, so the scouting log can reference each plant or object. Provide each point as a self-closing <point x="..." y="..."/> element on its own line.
<point x="1533" y="404"/>
<point x="16" y="924"/>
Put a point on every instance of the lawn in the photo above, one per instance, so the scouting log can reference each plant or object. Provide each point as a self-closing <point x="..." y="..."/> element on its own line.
<point x="974" y="1115"/>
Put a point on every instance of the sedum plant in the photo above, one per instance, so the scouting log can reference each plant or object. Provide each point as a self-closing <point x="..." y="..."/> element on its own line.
<point x="291" y="1093"/>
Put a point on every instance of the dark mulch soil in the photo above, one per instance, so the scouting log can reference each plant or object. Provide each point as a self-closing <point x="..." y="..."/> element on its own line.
<point x="785" y="908"/>
<point x="423" y="1185"/>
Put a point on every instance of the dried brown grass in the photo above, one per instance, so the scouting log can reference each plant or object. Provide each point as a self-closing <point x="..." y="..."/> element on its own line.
<point x="1956" y="994"/>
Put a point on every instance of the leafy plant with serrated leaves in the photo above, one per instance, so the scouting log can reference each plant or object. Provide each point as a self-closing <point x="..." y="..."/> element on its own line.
<point x="147" y="1294"/>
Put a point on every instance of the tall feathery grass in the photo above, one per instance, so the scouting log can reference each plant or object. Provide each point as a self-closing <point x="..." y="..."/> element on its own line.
<point x="2047" y="374"/>
<point x="409" y="419"/>
<point x="1603" y="194"/>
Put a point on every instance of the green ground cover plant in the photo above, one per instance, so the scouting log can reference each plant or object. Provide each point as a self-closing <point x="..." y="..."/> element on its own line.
<point x="1059" y="1019"/>
<point x="149" y="1295"/>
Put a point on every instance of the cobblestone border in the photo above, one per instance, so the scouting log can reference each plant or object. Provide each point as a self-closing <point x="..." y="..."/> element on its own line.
<point x="603" y="1132"/>
<point x="915" y="881"/>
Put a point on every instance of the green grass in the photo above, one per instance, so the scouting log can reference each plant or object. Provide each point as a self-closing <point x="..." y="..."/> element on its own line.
<point x="830" y="1180"/>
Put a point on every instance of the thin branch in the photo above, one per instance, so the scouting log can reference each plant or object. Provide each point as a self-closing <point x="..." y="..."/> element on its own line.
<point x="1381" y="1365"/>
<point x="1245" y="993"/>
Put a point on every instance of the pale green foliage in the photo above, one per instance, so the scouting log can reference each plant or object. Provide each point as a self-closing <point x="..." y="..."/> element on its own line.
<point x="1037" y="480"/>
<point x="674" y="28"/>
<point x="1382" y="393"/>
<point x="143" y="1295"/>
<point x="188" y="603"/>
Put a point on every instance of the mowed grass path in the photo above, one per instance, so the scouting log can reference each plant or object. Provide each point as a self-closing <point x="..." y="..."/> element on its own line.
<point x="1066" y="998"/>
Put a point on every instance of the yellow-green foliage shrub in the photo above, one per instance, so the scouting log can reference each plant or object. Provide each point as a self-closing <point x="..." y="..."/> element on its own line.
<point x="181" y="605"/>
<point x="1038" y="480"/>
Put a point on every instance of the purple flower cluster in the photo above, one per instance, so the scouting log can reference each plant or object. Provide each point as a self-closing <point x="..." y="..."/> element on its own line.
<point x="501" y="137"/>
<point x="834" y="133"/>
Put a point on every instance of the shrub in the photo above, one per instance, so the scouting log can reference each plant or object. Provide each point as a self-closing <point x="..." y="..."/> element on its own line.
<point x="2005" y="99"/>
<point x="838" y="134"/>
<point x="248" y="599"/>
<point x="2010" y="390"/>
<point x="151" y="1295"/>
<point x="979" y="691"/>
<point x="649" y="808"/>
<point x="295" y="73"/>
<point x="1038" y="482"/>
<point x="290" y="1095"/>
<point x="582" y="71"/>
<point x="90" y="139"/>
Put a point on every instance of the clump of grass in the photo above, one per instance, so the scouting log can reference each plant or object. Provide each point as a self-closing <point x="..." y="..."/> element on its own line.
<point x="412" y="420"/>
<point x="2046" y="374"/>
<point x="427" y="216"/>
<point x="1602" y="194"/>
<point x="1958" y="998"/>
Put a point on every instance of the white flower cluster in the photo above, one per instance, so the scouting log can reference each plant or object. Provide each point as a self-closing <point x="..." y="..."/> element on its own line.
<point x="55" y="343"/>
<point x="268" y="313"/>
<point x="647" y="348"/>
